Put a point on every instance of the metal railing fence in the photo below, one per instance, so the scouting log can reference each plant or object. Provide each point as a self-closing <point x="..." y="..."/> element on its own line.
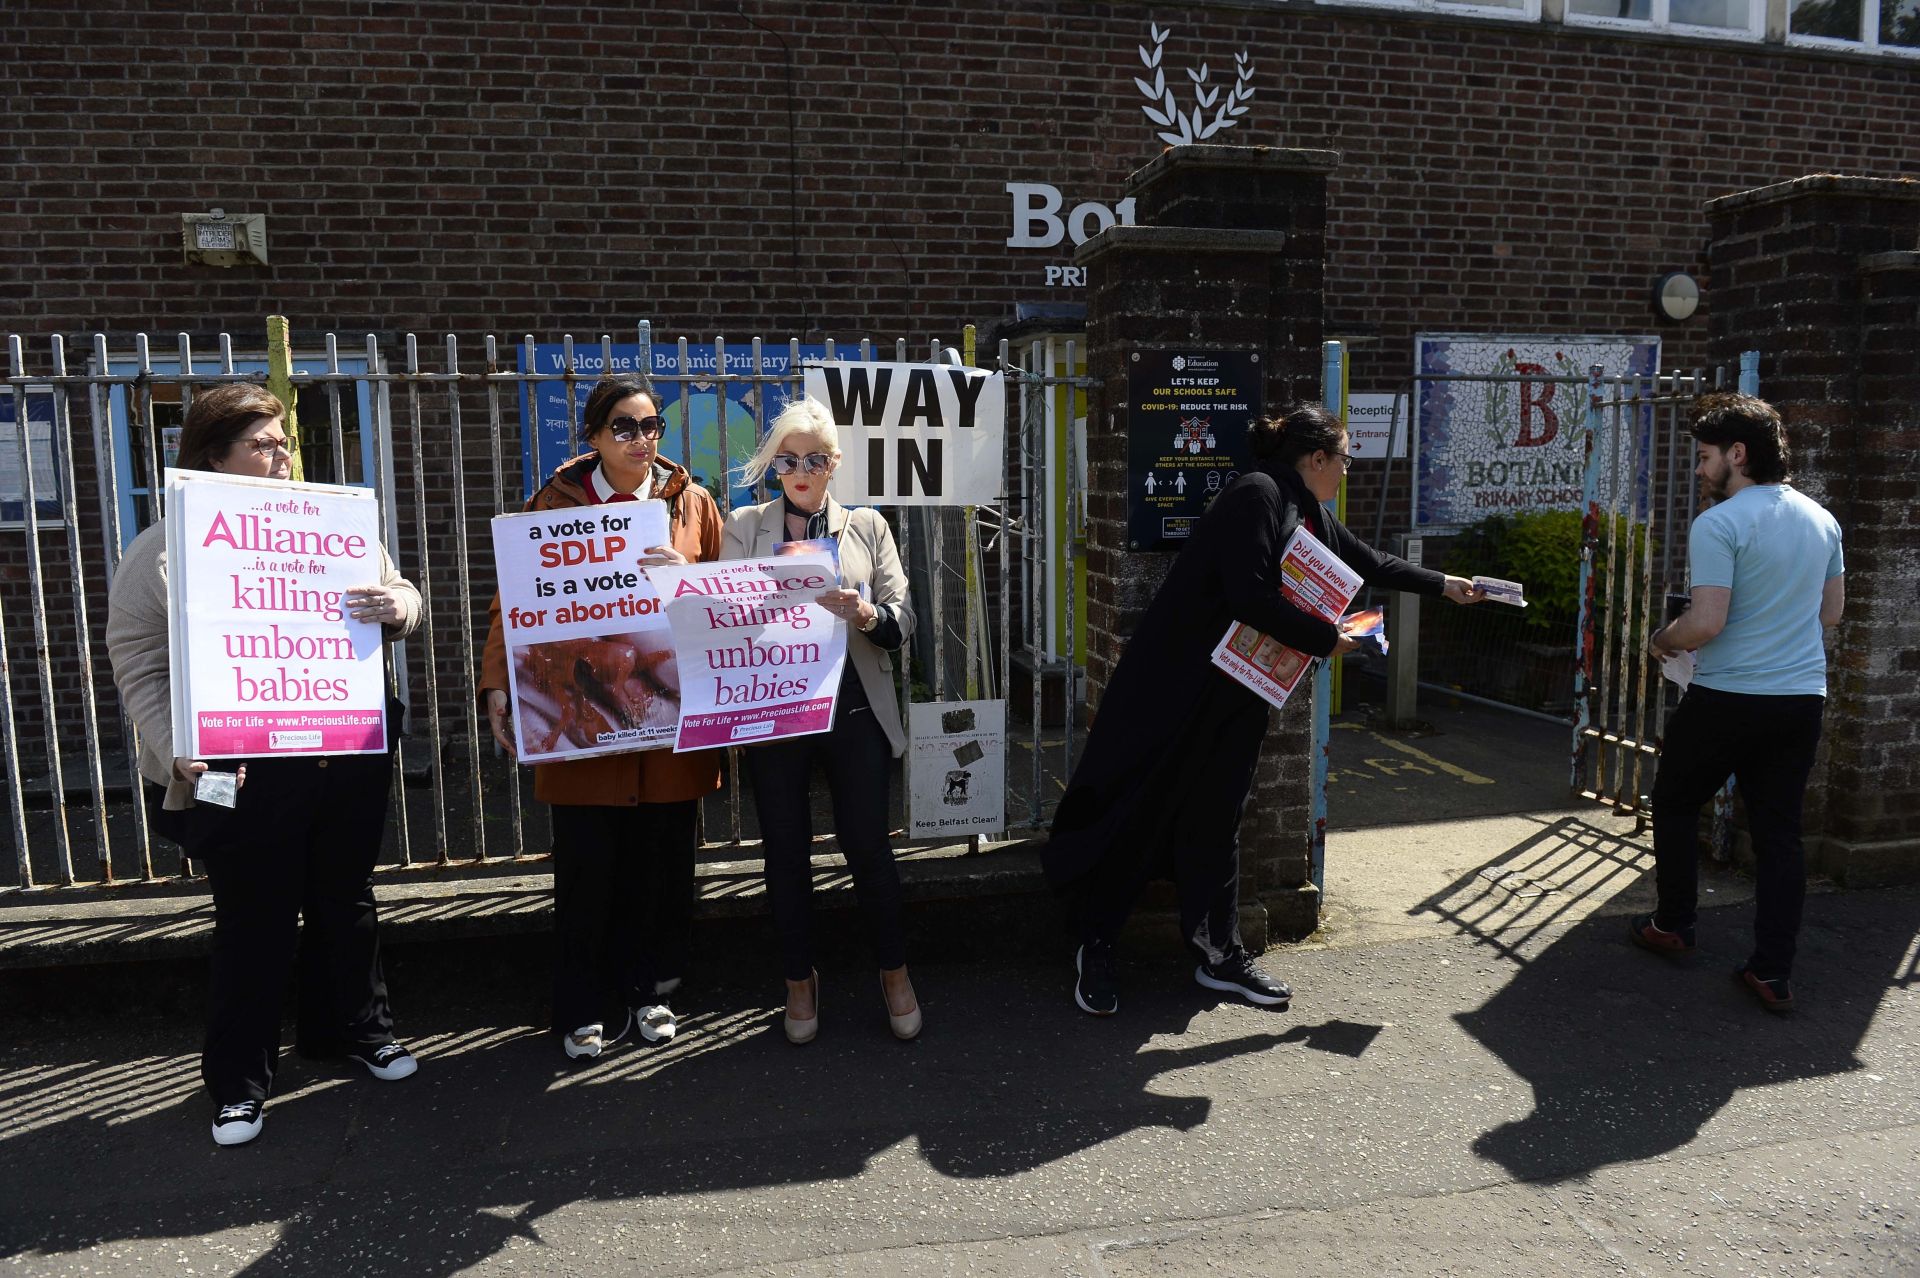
<point x="448" y="437"/>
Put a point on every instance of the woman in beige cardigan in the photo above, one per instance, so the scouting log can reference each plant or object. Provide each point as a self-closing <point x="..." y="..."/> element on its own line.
<point x="302" y="835"/>
<point x="801" y="451"/>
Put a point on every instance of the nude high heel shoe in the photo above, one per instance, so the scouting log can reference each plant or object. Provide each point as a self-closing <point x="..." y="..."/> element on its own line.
<point x="907" y="1027"/>
<point x="802" y="1031"/>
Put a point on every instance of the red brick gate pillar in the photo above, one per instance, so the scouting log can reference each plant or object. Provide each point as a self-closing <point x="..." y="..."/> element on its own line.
<point x="1821" y="275"/>
<point x="1229" y="253"/>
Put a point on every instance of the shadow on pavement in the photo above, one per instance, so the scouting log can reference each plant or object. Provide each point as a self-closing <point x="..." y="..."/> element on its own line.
<point x="439" y="1172"/>
<point x="1630" y="1054"/>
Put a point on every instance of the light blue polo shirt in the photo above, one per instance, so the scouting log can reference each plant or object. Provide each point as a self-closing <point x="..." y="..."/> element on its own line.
<point x="1775" y="549"/>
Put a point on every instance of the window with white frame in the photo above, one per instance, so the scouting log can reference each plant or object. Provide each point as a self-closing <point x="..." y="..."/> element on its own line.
<point x="1889" y="25"/>
<point x="1524" y="9"/>
<point x="1742" y="18"/>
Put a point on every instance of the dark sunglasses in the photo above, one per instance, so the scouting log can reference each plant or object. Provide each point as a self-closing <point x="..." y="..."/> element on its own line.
<point x="787" y="463"/>
<point x="627" y="429"/>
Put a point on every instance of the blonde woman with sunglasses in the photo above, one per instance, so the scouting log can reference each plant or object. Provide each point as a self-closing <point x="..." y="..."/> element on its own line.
<point x="801" y="452"/>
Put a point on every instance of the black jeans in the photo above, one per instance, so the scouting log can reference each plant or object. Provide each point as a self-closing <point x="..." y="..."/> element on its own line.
<point x="622" y="907"/>
<point x="1766" y="743"/>
<point x="1189" y="830"/>
<point x="299" y="843"/>
<point x="858" y="762"/>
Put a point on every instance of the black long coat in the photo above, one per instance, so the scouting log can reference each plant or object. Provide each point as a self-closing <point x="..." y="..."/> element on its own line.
<point x="1167" y="710"/>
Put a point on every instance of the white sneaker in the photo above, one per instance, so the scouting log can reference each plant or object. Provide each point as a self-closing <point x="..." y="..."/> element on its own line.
<point x="657" y="1023"/>
<point x="585" y="1042"/>
<point x="239" y="1123"/>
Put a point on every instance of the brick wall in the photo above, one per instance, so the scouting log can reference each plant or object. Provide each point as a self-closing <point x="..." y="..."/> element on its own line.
<point x="1822" y="276"/>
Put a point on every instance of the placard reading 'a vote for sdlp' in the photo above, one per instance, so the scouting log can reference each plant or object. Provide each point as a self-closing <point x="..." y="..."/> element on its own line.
<point x="759" y="658"/>
<point x="589" y="659"/>
<point x="265" y="658"/>
<point x="914" y="434"/>
<point x="1188" y="414"/>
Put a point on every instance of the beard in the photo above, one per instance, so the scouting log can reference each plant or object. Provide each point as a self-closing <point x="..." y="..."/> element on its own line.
<point x="1713" y="484"/>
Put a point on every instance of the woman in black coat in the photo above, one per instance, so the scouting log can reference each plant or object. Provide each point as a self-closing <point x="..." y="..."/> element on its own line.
<point x="1170" y="762"/>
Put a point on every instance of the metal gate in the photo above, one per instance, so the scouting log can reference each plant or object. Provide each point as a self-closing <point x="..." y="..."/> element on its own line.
<point x="1633" y="556"/>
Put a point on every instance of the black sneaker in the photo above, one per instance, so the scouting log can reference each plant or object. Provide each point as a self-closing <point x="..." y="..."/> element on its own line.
<point x="1236" y="974"/>
<point x="1775" y="995"/>
<point x="238" y="1123"/>
<point x="1096" y="992"/>
<point x="387" y="1062"/>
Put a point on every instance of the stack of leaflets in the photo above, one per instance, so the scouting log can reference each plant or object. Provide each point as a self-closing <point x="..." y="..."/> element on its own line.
<point x="1502" y="591"/>
<point x="1313" y="579"/>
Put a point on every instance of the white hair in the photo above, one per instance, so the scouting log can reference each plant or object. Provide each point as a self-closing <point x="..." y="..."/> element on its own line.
<point x="800" y="417"/>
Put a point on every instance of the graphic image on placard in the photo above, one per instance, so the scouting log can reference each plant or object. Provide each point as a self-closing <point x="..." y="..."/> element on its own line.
<point x="598" y="691"/>
<point x="1507" y="446"/>
<point x="1187" y="435"/>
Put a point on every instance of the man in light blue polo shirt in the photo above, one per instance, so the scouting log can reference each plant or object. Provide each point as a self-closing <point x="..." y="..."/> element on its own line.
<point x="1766" y="574"/>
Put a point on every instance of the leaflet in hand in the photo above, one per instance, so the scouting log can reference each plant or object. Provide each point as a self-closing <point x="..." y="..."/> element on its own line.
<point x="1370" y="624"/>
<point x="1313" y="579"/>
<point x="1501" y="591"/>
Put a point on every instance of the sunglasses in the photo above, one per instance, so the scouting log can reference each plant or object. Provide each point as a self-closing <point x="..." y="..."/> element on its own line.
<point x="627" y="429"/>
<point x="812" y="463"/>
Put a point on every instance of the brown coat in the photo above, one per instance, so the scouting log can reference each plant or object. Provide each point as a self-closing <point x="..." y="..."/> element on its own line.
<point x="644" y="776"/>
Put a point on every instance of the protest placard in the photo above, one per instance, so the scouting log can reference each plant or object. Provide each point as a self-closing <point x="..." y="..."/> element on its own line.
<point x="264" y="657"/>
<point x="589" y="656"/>
<point x="1312" y="578"/>
<point x="914" y="434"/>
<point x="760" y="659"/>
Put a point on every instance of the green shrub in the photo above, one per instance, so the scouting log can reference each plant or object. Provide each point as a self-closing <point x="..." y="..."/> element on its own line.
<point x="1541" y="550"/>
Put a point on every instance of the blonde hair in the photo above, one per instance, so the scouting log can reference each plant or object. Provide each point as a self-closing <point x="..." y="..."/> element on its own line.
<point x="800" y="417"/>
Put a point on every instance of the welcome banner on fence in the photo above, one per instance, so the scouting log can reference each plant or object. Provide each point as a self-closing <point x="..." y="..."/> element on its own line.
<point x="760" y="659"/>
<point x="589" y="656"/>
<point x="264" y="657"/>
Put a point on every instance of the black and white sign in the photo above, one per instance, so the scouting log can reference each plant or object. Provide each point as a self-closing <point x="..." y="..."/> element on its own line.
<point x="1369" y="417"/>
<point x="957" y="767"/>
<point x="914" y="434"/>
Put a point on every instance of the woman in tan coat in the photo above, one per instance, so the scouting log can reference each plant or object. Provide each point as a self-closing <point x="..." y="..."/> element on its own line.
<point x="623" y="824"/>
<point x="801" y="451"/>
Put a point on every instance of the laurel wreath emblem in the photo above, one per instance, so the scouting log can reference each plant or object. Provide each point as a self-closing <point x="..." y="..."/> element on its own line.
<point x="1179" y="127"/>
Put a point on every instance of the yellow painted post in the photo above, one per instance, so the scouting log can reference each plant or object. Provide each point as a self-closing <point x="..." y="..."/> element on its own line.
<point x="280" y="384"/>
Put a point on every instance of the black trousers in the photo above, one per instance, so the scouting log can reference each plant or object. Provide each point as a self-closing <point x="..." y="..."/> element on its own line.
<point x="858" y="762"/>
<point x="1188" y="830"/>
<point x="299" y="844"/>
<point x="622" y="907"/>
<point x="1767" y="745"/>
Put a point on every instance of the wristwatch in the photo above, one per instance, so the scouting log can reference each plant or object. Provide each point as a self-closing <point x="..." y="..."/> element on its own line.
<point x="873" y="623"/>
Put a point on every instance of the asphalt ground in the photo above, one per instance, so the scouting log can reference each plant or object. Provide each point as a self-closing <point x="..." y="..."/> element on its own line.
<point x="1469" y="1099"/>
